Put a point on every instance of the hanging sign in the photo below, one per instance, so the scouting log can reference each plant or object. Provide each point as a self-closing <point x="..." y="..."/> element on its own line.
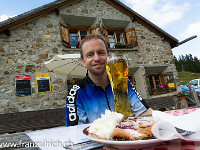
<point x="23" y="85"/>
<point x="43" y="82"/>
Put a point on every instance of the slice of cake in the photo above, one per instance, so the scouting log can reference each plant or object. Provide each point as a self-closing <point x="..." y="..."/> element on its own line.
<point x="134" y="128"/>
<point x="113" y="126"/>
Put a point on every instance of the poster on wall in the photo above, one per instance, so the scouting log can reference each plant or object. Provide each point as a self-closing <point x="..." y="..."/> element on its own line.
<point x="23" y="85"/>
<point x="43" y="82"/>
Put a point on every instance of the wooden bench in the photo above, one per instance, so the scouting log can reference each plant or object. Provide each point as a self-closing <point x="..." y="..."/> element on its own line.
<point x="32" y="120"/>
<point x="161" y="103"/>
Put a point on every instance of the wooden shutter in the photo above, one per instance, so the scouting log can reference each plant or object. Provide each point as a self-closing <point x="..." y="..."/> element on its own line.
<point x="131" y="37"/>
<point x="124" y="37"/>
<point x="64" y="34"/>
<point x="95" y="29"/>
<point x="105" y="34"/>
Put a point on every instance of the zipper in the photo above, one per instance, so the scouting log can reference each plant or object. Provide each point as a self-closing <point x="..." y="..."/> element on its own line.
<point x="107" y="100"/>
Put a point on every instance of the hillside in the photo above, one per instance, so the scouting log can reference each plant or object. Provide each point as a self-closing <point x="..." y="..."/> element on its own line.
<point x="185" y="77"/>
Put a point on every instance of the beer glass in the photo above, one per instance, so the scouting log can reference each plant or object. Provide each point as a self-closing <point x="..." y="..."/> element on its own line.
<point x="117" y="70"/>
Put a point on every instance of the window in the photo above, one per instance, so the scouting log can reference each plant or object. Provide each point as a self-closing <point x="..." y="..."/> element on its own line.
<point x="126" y="37"/>
<point x="75" y="36"/>
<point x="70" y="35"/>
<point x="194" y="82"/>
<point x="160" y="79"/>
<point x="114" y="37"/>
<point x="154" y="80"/>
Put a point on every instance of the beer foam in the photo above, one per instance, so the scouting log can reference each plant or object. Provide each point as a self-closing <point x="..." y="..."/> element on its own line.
<point x="103" y="127"/>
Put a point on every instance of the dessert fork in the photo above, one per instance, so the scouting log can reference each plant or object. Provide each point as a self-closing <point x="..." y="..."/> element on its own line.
<point x="184" y="132"/>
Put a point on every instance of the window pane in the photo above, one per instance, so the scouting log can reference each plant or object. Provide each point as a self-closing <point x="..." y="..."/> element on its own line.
<point x="112" y="45"/>
<point x="110" y="37"/>
<point x="83" y="32"/>
<point x="157" y="81"/>
<point x="120" y="40"/>
<point x="194" y="82"/>
<point x="73" y="44"/>
<point x="82" y="37"/>
<point x="111" y="40"/>
<point x="119" y="37"/>
<point x="72" y="34"/>
<point x="73" y="38"/>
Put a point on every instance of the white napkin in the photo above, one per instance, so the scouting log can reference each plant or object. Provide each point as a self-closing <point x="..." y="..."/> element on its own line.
<point x="164" y="129"/>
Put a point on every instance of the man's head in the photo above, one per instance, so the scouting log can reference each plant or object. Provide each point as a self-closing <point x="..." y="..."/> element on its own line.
<point x="94" y="52"/>
<point x="90" y="37"/>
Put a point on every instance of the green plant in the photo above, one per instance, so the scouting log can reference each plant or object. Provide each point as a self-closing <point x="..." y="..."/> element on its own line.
<point x="166" y="88"/>
<point x="182" y="94"/>
<point x="161" y="88"/>
<point x="156" y="90"/>
<point x="120" y="45"/>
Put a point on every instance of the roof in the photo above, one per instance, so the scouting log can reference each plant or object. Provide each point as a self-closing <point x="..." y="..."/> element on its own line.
<point x="21" y="19"/>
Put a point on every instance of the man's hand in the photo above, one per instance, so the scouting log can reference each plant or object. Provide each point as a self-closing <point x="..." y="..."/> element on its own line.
<point x="147" y="112"/>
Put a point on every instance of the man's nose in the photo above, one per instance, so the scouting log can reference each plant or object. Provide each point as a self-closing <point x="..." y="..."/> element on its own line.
<point x="96" y="56"/>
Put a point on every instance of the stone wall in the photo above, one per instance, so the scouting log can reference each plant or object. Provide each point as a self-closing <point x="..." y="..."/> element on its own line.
<point x="30" y="45"/>
<point x="23" y="53"/>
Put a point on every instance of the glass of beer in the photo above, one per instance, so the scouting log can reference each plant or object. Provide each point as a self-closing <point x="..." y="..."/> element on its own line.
<point x="117" y="70"/>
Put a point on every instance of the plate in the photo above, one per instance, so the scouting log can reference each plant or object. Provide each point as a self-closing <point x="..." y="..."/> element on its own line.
<point x="126" y="144"/>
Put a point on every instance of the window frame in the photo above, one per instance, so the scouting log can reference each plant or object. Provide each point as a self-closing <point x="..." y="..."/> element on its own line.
<point x="115" y="31"/>
<point x="154" y="81"/>
<point x="165" y="78"/>
<point x="78" y="29"/>
<point x="78" y="35"/>
<point x="65" y="33"/>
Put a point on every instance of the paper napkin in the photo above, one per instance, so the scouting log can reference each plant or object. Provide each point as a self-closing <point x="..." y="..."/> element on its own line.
<point x="166" y="124"/>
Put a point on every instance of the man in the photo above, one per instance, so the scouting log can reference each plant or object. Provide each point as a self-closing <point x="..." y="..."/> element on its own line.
<point x="90" y="97"/>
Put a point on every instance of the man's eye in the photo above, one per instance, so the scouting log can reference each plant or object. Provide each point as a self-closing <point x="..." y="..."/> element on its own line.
<point x="89" y="55"/>
<point x="102" y="53"/>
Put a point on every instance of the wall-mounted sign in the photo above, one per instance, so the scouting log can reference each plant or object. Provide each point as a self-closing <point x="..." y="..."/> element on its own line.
<point x="23" y="85"/>
<point x="43" y="82"/>
<point x="171" y="85"/>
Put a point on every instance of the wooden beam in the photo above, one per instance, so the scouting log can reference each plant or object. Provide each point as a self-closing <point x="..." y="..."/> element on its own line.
<point x="57" y="11"/>
<point x="7" y="32"/>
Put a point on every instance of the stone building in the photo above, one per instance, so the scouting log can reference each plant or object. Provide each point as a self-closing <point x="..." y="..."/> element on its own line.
<point x="30" y="39"/>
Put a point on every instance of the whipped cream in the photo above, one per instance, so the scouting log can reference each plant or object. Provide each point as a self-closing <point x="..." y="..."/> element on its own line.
<point x="103" y="127"/>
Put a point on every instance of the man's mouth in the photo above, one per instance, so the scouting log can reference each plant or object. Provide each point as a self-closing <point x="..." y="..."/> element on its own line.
<point x="97" y="65"/>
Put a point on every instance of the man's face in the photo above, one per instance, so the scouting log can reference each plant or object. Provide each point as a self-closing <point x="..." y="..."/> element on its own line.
<point x="94" y="56"/>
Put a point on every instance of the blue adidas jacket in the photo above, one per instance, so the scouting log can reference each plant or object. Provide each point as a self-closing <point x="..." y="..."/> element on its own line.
<point x="86" y="102"/>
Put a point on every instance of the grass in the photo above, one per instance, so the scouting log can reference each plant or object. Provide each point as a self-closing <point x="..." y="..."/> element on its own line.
<point x="185" y="77"/>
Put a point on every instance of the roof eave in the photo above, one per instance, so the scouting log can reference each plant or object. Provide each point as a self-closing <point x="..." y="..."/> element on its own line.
<point x="24" y="18"/>
<point x="51" y="7"/>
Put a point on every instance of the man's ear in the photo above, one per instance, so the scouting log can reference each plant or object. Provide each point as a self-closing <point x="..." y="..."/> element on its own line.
<point x="83" y="62"/>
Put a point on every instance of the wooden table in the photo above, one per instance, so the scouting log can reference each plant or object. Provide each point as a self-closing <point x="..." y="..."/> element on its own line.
<point x="27" y="140"/>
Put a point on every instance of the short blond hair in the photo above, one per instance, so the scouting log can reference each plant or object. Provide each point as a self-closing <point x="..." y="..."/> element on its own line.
<point x="90" y="37"/>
